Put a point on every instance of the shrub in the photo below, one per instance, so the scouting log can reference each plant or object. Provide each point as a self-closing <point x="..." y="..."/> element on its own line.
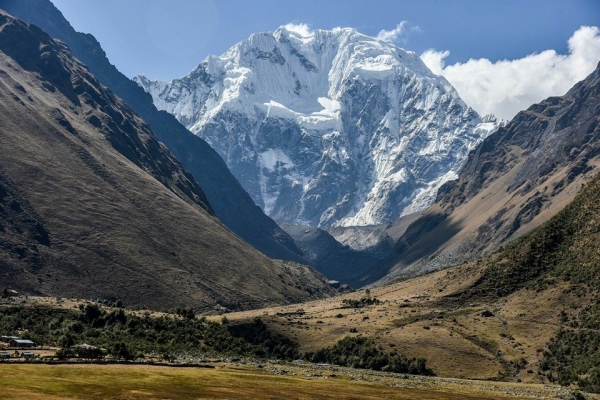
<point x="360" y="352"/>
<point x="365" y="301"/>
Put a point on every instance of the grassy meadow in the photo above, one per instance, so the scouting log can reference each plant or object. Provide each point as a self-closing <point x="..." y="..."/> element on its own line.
<point x="27" y="381"/>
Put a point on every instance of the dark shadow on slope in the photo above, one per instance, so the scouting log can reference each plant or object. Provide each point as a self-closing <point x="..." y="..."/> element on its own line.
<point x="230" y="202"/>
<point x="330" y="257"/>
<point x="422" y="239"/>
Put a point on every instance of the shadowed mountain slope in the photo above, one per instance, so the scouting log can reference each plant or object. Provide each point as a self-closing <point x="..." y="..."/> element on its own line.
<point x="231" y="204"/>
<point x="93" y="205"/>
<point x="337" y="261"/>
<point x="514" y="181"/>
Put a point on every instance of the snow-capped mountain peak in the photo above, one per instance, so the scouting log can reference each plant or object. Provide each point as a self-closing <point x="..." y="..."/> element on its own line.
<point x="327" y="127"/>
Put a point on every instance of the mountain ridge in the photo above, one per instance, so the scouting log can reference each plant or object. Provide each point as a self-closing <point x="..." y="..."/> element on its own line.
<point x="92" y="205"/>
<point x="514" y="181"/>
<point x="230" y="202"/>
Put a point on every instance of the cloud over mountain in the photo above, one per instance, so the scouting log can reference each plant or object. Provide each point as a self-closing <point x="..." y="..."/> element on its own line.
<point x="399" y="33"/>
<point x="507" y="86"/>
<point x="300" y="28"/>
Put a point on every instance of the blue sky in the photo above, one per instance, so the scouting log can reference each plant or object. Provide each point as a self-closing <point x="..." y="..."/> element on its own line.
<point x="501" y="56"/>
<point x="165" y="39"/>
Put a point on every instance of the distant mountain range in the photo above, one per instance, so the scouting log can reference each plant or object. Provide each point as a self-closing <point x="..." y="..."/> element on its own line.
<point x="92" y="205"/>
<point x="331" y="128"/>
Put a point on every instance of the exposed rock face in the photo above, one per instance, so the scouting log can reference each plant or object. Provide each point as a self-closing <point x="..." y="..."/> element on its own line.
<point x="93" y="205"/>
<point x="515" y="180"/>
<point x="330" y="128"/>
<point x="231" y="204"/>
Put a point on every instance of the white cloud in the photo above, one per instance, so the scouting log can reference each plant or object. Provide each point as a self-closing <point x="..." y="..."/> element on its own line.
<point x="302" y="30"/>
<point x="435" y="60"/>
<point x="506" y="87"/>
<point x="399" y="33"/>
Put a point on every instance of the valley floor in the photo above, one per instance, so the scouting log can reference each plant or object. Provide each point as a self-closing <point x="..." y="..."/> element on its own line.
<point x="244" y="381"/>
<point x="485" y="349"/>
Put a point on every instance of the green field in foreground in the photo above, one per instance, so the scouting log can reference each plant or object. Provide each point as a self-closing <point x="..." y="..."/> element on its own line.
<point x="23" y="381"/>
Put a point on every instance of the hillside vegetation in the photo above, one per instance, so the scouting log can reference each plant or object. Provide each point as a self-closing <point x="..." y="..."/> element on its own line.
<point x="567" y="249"/>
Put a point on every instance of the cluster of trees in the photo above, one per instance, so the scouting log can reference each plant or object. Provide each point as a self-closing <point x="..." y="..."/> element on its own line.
<point x="361" y="352"/>
<point x="85" y="352"/>
<point x="186" y="312"/>
<point x="365" y="301"/>
<point x="128" y="336"/>
<point x="257" y="333"/>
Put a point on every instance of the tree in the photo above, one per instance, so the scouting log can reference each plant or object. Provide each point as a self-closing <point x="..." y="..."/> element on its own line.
<point x="64" y="353"/>
<point x="66" y="340"/>
<point x="92" y="312"/>
<point x="90" y="352"/>
<point x="120" y="351"/>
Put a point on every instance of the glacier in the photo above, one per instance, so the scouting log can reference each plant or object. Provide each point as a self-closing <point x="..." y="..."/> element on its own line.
<point x="327" y="127"/>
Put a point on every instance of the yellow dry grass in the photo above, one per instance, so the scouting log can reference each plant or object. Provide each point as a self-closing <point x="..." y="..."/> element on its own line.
<point x="415" y="317"/>
<point x="145" y="382"/>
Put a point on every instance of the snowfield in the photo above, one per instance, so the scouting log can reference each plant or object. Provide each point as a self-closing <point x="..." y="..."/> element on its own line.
<point x="327" y="128"/>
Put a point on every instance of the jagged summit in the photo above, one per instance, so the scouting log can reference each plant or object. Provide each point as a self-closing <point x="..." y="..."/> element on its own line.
<point x="326" y="127"/>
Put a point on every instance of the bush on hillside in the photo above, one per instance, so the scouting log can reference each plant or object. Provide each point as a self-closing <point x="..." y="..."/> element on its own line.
<point x="360" y="352"/>
<point x="365" y="301"/>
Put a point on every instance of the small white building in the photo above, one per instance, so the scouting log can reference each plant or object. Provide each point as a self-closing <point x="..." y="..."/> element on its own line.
<point x="21" y="343"/>
<point x="7" y="339"/>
